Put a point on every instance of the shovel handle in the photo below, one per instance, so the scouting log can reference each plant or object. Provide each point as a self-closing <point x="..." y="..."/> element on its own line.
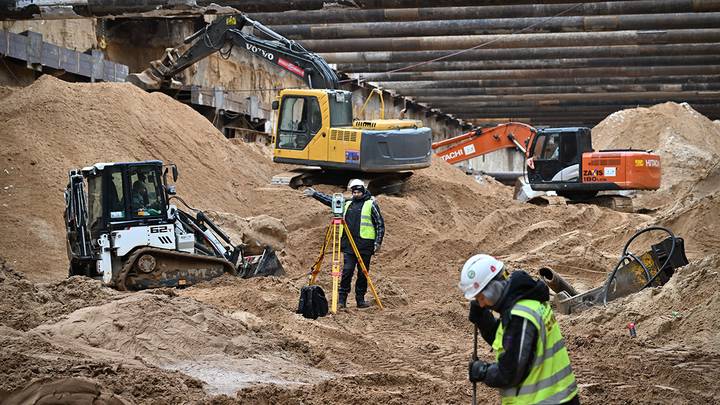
<point x="474" y="357"/>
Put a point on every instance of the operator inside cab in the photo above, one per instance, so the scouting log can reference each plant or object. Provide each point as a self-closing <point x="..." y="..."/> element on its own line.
<point x="145" y="200"/>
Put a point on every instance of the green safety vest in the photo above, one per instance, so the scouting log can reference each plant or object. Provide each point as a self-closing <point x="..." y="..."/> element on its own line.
<point x="367" y="229"/>
<point x="551" y="379"/>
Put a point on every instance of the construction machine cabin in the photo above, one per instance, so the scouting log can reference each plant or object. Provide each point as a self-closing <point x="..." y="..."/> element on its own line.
<point x="152" y="251"/>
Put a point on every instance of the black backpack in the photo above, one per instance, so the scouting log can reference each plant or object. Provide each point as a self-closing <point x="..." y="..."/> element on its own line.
<point x="312" y="302"/>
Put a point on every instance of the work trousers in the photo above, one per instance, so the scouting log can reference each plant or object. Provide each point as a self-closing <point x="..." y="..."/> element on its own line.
<point x="349" y="265"/>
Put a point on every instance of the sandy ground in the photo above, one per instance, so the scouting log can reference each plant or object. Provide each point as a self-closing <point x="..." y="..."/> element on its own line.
<point x="239" y="341"/>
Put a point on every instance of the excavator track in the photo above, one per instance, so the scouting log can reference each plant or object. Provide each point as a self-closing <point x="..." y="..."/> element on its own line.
<point x="378" y="183"/>
<point x="614" y="202"/>
<point x="154" y="268"/>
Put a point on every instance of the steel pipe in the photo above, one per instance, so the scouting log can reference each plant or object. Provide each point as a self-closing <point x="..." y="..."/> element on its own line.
<point x="410" y="92"/>
<point x="513" y="10"/>
<point x="556" y="282"/>
<point x="551" y="98"/>
<point x="501" y="26"/>
<point x="533" y="64"/>
<point x="568" y="81"/>
<point x="553" y="102"/>
<point x="541" y="73"/>
<point x="515" y="40"/>
<point x="576" y="109"/>
<point x="618" y="51"/>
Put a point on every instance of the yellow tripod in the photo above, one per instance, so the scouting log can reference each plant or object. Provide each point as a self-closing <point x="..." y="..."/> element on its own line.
<point x="333" y="235"/>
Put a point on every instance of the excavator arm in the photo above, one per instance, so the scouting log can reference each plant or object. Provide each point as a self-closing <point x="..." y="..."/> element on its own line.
<point x="226" y="33"/>
<point x="485" y="140"/>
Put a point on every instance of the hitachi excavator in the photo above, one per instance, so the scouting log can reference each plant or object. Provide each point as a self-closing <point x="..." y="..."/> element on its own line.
<point x="563" y="160"/>
<point x="122" y="229"/>
<point x="315" y="126"/>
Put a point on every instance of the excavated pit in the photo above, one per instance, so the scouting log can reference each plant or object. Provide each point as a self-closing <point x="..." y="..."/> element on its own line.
<point x="239" y="341"/>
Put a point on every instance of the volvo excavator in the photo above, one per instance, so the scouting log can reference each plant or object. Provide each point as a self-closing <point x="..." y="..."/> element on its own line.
<point x="122" y="228"/>
<point x="563" y="160"/>
<point x="315" y="126"/>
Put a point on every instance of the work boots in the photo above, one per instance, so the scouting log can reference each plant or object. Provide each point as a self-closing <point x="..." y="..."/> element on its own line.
<point x="342" y="301"/>
<point x="361" y="303"/>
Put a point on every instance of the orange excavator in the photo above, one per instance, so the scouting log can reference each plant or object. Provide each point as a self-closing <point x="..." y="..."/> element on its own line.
<point x="562" y="160"/>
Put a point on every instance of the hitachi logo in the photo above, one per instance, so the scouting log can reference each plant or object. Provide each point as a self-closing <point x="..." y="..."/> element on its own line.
<point x="453" y="155"/>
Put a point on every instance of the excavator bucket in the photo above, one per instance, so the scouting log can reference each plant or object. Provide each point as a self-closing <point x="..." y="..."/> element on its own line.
<point x="146" y="80"/>
<point x="266" y="264"/>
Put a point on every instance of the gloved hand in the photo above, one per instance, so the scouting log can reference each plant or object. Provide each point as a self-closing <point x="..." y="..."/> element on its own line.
<point x="309" y="192"/>
<point x="476" y="312"/>
<point x="377" y="247"/>
<point x="477" y="370"/>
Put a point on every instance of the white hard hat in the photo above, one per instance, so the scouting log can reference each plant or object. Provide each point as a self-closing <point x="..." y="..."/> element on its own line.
<point x="356" y="183"/>
<point x="477" y="272"/>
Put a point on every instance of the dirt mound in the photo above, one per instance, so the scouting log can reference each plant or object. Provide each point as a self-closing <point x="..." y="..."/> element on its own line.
<point x="64" y="391"/>
<point x="25" y="305"/>
<point x="182" y="334"/>
<point x="29" y="356"/>
<point x="255" y="232"/>
<point x="687" y="142"/>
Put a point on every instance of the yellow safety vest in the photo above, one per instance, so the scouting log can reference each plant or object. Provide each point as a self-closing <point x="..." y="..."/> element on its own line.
<point x="551" y="379"/>
<point x="367" y="229"/>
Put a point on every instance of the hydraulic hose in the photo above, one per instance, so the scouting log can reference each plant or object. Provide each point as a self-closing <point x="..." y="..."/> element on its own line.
<point x="631" y="257"/>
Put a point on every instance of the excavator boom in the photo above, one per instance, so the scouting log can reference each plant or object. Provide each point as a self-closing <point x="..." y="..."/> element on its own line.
<point x="227" y="32"/>
<point x="485" y="140"/>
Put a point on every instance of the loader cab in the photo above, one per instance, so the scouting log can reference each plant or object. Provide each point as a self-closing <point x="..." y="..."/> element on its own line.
<point x="125" y="194"/>
<point x="557" y="155"/>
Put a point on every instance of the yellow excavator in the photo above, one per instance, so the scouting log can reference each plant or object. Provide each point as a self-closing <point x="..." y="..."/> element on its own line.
<point x="315" y="126"/>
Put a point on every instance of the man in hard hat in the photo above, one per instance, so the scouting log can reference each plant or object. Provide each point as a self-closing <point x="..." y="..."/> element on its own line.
<point x="532" y="364"/>
<point x="367" y="227"/>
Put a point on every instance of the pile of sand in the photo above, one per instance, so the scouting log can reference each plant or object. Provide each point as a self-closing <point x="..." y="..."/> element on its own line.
<point x="688" y="144"/>
<point x="25" y="305"/>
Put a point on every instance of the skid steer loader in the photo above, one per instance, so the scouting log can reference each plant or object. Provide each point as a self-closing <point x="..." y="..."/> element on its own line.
<point x="125" y="231"/>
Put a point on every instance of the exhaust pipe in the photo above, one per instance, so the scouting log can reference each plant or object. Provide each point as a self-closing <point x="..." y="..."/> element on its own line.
<point x="555" y="282"/>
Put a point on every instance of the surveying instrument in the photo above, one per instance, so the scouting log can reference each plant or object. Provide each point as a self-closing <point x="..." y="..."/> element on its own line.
<point x="333" y="236"/>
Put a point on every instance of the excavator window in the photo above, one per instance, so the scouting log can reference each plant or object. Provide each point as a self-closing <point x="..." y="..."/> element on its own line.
<point x="537" y="148"/>
<point x="551" y="150"/>
<point x="300" y="119"/>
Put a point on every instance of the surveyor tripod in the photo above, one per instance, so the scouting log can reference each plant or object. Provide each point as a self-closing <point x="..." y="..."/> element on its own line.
<point x="333" y="236"/>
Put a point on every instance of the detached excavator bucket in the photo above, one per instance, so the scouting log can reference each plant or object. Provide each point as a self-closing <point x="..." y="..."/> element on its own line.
<point x="266" y="264"/>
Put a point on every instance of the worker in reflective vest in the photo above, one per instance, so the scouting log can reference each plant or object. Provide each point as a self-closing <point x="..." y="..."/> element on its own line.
<point x="367" y="227"/>
<point x="531" y="361"/>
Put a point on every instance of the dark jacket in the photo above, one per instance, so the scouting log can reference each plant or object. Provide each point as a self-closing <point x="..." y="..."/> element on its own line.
<point x="514" y="363"/>
<point x="352" y="218"/>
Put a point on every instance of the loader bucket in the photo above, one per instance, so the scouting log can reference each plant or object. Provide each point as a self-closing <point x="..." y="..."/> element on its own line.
<point x="266" y="264"/>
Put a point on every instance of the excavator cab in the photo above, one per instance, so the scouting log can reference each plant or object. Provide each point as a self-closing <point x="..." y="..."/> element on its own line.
<point x="557" y="154"/>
